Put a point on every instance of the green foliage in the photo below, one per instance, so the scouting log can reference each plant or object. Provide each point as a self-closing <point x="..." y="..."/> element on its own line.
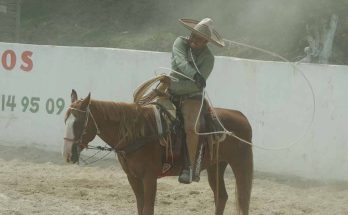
<point x="276" y="25"/>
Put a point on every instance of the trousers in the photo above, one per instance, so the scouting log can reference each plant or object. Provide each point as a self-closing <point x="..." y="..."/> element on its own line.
<point x="190" y="110"/>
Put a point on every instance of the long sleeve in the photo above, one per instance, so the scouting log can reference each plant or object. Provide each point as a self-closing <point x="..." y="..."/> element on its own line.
<point x="206" y="67"/>
<point x="180" y="58"/>
<point x="181" y="63"/>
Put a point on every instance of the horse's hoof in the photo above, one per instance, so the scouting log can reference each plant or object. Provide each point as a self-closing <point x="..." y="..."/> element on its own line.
<point x="196" y="178"/>
<point x="186" y="176"/>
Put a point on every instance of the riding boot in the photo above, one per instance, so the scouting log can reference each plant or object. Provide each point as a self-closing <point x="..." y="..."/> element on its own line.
<point x="193" y="170"/>
<point x="186" y="174"/>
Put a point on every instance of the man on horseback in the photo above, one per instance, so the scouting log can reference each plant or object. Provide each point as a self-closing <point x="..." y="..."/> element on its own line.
<point x="192" y="62"/>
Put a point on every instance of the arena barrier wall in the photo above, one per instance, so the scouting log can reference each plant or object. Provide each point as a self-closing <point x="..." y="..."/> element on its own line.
<point x="36" y="82"/>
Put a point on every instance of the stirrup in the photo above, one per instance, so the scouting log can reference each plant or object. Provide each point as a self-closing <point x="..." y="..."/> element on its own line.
<point x="186" y="176"/>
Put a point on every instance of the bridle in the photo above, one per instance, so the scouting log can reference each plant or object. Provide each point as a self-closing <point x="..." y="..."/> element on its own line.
<point x="88" y="114"/>
<point x="79" y="143"/>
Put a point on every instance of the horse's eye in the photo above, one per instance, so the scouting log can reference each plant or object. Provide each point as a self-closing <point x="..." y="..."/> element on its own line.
<point x="78" y="127"/>
<point x="78" y="124"/>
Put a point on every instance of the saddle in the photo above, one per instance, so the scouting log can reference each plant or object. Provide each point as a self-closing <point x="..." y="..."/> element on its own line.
<point x="170" y="124"/>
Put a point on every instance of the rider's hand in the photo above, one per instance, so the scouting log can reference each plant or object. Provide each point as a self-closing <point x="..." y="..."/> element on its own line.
<point x="165" y="80"/>
<point x="199" y="81"/>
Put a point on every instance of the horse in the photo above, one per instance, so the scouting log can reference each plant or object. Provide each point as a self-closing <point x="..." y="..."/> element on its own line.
<point x="120" y="124"/>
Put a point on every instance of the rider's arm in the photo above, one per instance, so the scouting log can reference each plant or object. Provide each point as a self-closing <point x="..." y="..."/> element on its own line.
<point x="180" y="58"/>
<point x="206" y="67"/>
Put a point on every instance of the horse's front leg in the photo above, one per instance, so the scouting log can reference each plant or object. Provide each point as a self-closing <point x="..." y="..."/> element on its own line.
<point x="138" y="189"/>
<point x="150" y="188"/>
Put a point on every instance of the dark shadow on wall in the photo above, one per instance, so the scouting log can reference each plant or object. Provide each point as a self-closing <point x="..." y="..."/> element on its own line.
<point x="275" y="25"/>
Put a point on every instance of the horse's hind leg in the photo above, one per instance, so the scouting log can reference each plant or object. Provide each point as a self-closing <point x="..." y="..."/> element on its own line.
<point x="242" y="167"/>
<point x="217" y="184"/>
<point x="138" y="189"/>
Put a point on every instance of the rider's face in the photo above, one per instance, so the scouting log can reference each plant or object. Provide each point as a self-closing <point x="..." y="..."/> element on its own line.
<point x="197" y="42"/>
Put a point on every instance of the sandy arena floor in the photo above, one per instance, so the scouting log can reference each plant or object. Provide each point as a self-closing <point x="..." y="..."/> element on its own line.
<point x="33" y="181"/>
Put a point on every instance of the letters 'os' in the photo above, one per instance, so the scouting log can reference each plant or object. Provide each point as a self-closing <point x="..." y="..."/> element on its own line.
<point x="9" y="60"/>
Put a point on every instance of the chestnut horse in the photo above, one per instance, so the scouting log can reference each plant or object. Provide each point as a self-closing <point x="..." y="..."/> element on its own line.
<point x="120" y="124"/>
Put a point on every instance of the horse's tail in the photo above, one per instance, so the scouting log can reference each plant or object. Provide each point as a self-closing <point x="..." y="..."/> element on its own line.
<point x="239" y="156"/>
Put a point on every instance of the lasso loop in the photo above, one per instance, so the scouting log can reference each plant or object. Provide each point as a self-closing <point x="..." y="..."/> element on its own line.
<point x="296" y="68"/>
<point x="225" y="131"/>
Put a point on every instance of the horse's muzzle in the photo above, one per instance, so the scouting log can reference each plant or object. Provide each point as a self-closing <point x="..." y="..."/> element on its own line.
<point x="71" y="151"/>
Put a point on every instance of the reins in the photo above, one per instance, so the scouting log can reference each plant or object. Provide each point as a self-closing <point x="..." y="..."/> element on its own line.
<point x="79" y="141"/>
<point x="100" y="149"/>
<point x="138" y="143"/>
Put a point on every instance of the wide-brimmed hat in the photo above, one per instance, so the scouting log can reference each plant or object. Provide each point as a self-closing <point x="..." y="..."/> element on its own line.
<point x="205" y="29"/>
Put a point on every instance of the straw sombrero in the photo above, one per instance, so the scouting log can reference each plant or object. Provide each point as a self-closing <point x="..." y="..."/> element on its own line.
<point x="205" y="29"/>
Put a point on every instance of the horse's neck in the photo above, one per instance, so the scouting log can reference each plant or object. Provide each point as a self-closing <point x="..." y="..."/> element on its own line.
<point x="110" y="117"/>
<point x="107" y="113"/>
<point x="105" y="125"/>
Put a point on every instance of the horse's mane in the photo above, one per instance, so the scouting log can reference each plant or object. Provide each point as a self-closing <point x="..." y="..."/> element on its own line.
<point x="134" y="120"/>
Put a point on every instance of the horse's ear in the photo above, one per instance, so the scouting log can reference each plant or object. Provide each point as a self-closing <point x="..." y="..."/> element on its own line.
<point x="73" y="96"/>
<point x="86" y="101"/>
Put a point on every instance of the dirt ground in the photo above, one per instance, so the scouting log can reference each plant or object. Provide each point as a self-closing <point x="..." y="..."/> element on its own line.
<point x="34" y="181"/>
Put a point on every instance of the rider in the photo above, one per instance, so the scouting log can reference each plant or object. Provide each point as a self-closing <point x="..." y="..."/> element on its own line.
<point x="192" y="58"/>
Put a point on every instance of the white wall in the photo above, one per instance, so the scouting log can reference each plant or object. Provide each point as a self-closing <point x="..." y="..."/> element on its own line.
<point x="274" y="96"/>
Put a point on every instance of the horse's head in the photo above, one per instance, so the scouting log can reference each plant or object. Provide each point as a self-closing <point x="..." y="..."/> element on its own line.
<point x="80" y="127"/>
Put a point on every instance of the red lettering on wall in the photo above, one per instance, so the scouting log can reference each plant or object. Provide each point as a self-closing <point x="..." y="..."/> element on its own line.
<point x="12" y="55"/>
<point x="27" y="65"/>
